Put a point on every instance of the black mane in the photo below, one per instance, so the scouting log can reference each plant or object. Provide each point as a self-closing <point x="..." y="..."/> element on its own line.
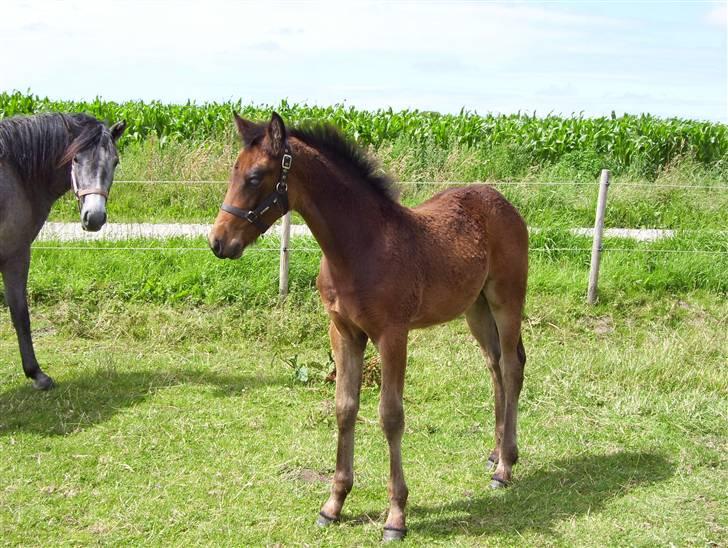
<point x="329" y="140"/>
<point x="37" y="146"/>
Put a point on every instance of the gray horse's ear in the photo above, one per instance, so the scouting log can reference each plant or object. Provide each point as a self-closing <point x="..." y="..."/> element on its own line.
<point x="276" y="133"/>
<point x="117" y="130"/>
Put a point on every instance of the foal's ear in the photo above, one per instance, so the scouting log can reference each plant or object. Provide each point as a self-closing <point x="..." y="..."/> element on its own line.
<point x="117" y="130"/>
<point x="248" y="130"/>
<point x="276" y="133"/>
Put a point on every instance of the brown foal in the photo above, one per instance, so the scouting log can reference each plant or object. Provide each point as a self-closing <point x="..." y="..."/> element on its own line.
<point x="387" y="269"/>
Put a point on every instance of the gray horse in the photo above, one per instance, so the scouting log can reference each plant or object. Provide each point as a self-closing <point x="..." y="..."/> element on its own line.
<point x="41" y="158"/>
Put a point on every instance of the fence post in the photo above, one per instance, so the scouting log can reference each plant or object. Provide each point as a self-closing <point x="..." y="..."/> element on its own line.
<point x="283" y="266"/>
<point x="596" y="254"/>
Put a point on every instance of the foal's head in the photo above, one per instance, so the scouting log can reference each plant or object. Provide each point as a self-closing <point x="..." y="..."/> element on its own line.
<point x="255" y="181"/>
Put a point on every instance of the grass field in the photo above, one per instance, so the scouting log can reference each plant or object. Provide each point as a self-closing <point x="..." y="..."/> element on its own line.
<point x="180" y="416"/>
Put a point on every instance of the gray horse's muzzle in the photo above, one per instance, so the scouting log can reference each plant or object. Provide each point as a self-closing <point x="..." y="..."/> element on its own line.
<point x="93" y="212"/>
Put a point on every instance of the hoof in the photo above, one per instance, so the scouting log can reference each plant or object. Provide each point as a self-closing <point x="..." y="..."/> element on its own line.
<point x="497" y="483"/>
<point x="491" y="464"/>
<point x="392" y="534"/>
<point x="42" y="382"/>
<point x="324" y="521"/>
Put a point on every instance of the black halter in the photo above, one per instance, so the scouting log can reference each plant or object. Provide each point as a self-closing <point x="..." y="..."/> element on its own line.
<point x="279" y="197"/>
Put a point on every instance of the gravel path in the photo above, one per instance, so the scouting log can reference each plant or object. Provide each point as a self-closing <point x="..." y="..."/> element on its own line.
<point x="67" y="232"/>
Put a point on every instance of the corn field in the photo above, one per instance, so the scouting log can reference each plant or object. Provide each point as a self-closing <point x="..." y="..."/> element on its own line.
<point x="642" y="142"/>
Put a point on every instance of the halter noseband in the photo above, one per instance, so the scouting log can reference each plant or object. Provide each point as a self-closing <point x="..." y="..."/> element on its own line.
<point x="81" y="192"/>
<point x="279" y="198"/>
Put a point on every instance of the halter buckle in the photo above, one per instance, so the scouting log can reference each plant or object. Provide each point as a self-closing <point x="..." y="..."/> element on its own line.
<point x="286" y="161"/>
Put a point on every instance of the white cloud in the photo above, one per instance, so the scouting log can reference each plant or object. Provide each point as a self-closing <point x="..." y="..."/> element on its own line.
<point x="718" y="15"/>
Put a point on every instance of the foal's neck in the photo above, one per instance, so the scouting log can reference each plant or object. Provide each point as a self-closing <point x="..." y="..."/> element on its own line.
<point x="344" y="214"/>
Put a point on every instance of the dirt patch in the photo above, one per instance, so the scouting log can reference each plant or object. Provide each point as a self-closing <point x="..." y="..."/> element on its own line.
<point x="603" y="325"/>
<point x="307" y="475"/>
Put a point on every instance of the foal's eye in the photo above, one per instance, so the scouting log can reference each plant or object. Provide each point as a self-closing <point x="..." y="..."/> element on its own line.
<point x="254" y="181"/>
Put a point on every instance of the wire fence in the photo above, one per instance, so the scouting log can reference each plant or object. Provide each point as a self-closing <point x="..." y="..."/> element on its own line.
<point x="318" y="250"/>
<point x="285" y="249"/>
<point x="457" y="183"/>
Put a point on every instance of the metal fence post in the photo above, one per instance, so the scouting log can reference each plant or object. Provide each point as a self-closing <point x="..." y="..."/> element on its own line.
<point x="596" y="254"/>
<point x="283" y="266"/>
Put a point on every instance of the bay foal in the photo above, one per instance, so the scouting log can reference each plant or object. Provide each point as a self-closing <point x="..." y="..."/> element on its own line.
<point x="386" y="269"/>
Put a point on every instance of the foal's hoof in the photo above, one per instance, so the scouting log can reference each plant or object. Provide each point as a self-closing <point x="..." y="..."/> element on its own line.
<point x="497" y="483"/>
<point x="42" y="382"/>
<point x="324" y="521"/>
<point x="491" y="463"/>
<point x="393" y="534"/>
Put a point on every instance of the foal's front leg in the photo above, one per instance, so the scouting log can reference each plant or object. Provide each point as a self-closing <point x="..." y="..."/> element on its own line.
<point x="348" y="348"/>
<point x="15" y="277"/>
<point x="393" y="351"/>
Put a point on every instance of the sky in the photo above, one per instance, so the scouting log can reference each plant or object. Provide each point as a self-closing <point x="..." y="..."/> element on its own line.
<point x="668" y="58"/>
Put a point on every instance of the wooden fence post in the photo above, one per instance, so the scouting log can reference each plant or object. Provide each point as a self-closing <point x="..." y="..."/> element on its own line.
<point x="596" y="254"/>
<point x="283" y="266"/>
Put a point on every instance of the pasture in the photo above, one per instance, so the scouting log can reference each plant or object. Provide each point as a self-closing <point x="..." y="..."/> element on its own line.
<point x="191" y="408"/>
<point x="181" y="415"/>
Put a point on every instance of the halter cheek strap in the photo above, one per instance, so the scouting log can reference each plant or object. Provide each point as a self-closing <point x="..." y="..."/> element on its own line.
<point x="278" y="198"/>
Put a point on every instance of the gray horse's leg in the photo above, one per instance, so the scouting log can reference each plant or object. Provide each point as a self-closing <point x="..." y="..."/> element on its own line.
<point x="15" y="276"/>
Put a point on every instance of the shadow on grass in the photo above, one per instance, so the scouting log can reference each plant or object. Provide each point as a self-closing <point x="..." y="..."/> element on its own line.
<point x="541" y="498"/>
<point x="81" y="402"/>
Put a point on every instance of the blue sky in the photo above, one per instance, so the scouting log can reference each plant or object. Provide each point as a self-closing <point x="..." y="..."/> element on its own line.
<point x="664" y="57"/>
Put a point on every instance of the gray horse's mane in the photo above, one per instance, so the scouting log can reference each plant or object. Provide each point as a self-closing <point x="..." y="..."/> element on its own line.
<point x="37" y="146"/>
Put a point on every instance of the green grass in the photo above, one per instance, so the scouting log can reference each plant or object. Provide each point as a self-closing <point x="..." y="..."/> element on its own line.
<point x="178" y="418"/>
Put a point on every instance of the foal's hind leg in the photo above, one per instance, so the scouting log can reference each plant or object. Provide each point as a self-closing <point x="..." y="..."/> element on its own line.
<point x="15" y="277"/>
<point x="482" y="326"/>
<point x="506" y="305"/>
<point x="348" y="348"/>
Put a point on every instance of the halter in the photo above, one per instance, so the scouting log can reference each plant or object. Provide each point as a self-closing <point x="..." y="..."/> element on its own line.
<point x="81" y="192"/>
<point x="279" y="198"/>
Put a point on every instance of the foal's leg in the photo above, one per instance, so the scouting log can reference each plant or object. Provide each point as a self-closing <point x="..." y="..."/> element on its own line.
<point x="507" y="314"/>
<point x="15" y="277"/>
<point x="482" y="326"/>
<point x="393" y="351"/>
<point x="348" y="351"/>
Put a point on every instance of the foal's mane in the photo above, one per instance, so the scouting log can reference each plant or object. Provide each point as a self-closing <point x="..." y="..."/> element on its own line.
<point x="332" y="143"/>
<point x="37" y="146"/>
<point x="328" y="140"/>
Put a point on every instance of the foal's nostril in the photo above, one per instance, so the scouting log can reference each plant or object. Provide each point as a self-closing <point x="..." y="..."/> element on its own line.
<point x="216" y="246"/>
<point x="84" y="218"/>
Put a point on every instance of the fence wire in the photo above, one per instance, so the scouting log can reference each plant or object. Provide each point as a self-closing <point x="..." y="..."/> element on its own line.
<point x="460" y="183"/>
<point x="318" y="250"/>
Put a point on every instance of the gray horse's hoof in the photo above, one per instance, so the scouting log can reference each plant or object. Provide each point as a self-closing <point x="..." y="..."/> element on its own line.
<point x="496" y="483"/>
<point x="43" y="382"/>
<point x="491" y="463"/>
<point x="392" y="534"/>
<point x="324" y="521"/>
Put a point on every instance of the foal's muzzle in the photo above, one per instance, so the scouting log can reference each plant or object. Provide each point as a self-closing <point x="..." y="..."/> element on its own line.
<point x="222" y="250"/>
